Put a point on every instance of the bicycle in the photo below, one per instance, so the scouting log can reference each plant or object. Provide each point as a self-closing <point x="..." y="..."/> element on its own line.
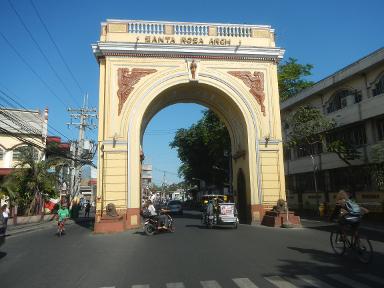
<point x="359" y="243"/>
<point x="60" y="228"/>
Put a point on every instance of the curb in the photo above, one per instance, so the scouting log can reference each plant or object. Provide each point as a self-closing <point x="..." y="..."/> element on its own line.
<point x="16" y="230"/>
<point x="363" y="225"/>
<point x="29" y="228"/>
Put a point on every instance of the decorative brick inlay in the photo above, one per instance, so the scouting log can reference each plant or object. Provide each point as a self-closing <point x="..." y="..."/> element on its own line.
<point x="169" y="30"/>
<point x="117" y="28"/>
<point x="212" y="31"/>
<point x="127" y="81"/>
<point x="127" y="219"/>
<point x="254" y="81"/>
<point x="257" y="212"/>
<point x="260" y="33"/>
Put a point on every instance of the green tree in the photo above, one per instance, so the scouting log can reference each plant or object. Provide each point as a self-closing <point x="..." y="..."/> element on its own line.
<point x="291" y="77"/>
<point x="202" y="149"/>
<point x="32" y="182"/>
<point x="377" y="168"/>
<point x="307" y="126"/>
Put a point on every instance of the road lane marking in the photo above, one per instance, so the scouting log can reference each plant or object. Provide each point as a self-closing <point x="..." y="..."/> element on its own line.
<point x="175" y="285"/>
<point x="313" y="281"/>
<point x="210" y="284"/>
<point x="372" y="278"/>
<point x="279" y="282"/>
<point x="347" y="281"/>
<point x="140" y="286"/>
<point x="244" y="283"/>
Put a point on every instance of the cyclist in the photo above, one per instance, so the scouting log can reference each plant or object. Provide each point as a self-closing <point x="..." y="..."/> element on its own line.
<point x="62" y="214"/>
<point x="347" y="212"/>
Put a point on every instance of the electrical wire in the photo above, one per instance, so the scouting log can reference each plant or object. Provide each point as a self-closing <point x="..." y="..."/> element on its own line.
<point x="42" y="52"/>
<point x="30" y="67"/>
<point x="23" y="107"/>
<point x="57" y="47"/>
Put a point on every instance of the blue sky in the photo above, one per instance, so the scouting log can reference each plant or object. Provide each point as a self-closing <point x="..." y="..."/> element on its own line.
<point x="328" y="34"/>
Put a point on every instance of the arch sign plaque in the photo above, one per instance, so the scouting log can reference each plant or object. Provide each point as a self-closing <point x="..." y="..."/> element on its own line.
<point x="146" y="66"/>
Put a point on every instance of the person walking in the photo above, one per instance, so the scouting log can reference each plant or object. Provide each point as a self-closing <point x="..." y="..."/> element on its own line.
<point x="5" y="212"/>
<point x="87" y="209"/>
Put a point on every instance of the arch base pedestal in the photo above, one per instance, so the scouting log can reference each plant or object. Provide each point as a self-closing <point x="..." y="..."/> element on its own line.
<point x="127" y="219"/>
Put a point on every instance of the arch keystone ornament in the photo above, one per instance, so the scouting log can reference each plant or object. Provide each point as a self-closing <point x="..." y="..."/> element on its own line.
<point x="150" y="65"/>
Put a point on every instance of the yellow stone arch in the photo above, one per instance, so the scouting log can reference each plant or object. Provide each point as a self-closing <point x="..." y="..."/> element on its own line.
<point x="139" y="77"/>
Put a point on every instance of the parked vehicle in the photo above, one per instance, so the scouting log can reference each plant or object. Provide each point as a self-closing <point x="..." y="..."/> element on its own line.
<point x="175" y="207"/>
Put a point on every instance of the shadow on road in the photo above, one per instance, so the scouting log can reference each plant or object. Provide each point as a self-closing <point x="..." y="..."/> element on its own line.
<point x="323" y="263"/>
<point x="142" y="233"/>
<point x="189" y="215"/>
<point x="371" y="235"/>
<point x="87" y="223"/>
<point x="206" y="228"/>
<point x="2" y="254"/>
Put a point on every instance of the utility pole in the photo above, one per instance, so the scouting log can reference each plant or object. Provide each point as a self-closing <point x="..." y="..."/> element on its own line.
<point x="85" y="116"/>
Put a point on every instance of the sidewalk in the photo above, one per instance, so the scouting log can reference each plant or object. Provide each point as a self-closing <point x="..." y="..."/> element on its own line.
<point x="365" y="224"/>
<point x="17" y="229"/>
<point x="13" y="230"/>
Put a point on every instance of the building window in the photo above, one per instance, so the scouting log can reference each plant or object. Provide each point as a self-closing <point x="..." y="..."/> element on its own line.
<point x="19" y="150"/>
<point x="380" y="128"/>
<point x="287" y="153"/>
<point x="355" y="135"/>
<point x="342" y="99"/>
<point x="379" y="87"/>
<point x="1" y="154"/>
<point x="309" y="149"/>
<point x="305" y="182"/>
<point x="354" y="179"/>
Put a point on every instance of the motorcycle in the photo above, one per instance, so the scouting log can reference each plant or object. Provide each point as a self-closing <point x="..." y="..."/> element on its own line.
<point x="209" y="220"/>
<point x="151" y="225"/>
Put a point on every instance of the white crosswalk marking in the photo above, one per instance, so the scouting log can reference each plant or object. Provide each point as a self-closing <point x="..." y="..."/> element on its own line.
<point x="373" y="278"/>
<point x="141" y="286"/>
<point x="244" y="283"/>
<point x="347" y="281"/>
<point x="175" y="285"/>
<point x="280" y="282"/>
<point x="210" y="284"/>
<point x="313" y="281"/>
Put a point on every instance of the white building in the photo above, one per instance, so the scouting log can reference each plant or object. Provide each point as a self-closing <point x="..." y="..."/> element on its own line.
<point x="354" y="98"/>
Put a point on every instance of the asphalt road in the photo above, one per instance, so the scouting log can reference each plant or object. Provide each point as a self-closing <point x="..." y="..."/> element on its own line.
<point x="193" y="256"/>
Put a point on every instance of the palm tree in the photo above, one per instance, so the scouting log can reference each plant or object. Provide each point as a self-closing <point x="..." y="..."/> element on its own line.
<point x="33" y="180"/>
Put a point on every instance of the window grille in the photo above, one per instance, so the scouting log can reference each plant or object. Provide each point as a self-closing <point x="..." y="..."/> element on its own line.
<point x="379" y="87"/>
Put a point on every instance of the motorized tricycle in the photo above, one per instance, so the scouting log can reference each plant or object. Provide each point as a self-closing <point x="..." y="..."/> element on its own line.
<point x="216" y="211"/>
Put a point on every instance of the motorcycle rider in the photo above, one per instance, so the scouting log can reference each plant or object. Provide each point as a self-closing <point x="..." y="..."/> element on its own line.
<point x="162" y="218"/>
<point x="210" y="208"/>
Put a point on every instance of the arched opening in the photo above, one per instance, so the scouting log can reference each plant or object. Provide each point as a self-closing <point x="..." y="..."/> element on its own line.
<point x="242" y="205"/>
<point x="226" y="110"/>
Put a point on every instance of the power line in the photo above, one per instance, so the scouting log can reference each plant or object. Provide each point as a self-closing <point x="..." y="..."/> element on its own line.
<point x="84" y="114"/>
<point x="41" y="51"/>
<point x="30" y="67"/>
<point x="57" y="47"/>
<point x="165" y="171"/>
<point x="22" y="106"/>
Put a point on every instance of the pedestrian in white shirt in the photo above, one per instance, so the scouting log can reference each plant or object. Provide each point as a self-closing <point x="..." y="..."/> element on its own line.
<point x="5" y="211"/>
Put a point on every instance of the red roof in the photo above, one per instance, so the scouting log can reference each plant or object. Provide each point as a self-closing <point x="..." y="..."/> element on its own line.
<point x="93" y="181"/>
<point x="6" y="171"/>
